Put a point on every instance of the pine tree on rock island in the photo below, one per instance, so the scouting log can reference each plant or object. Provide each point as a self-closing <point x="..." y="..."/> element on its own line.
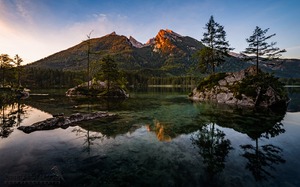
<point x="260" y="48"/>
<point x="109" y="71"/>
<point x="216" y="46"/>
<point x="17" y="61"/>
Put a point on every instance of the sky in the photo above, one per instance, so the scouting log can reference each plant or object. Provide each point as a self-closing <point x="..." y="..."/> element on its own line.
<point x="35" y="29"/>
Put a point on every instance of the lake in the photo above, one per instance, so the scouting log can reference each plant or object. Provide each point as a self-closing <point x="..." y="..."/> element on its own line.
<point x="159" y="138"/>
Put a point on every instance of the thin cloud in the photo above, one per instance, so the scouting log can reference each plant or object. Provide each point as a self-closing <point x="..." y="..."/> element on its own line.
<point x="292" y="52"/>
<point x="101" y="24"/>
<point x="49" y="40"/>
<point x="100" y="15"/>
<point x="293" y="47"/>
<point x="24" y="12"/>
<point x="35" y="29"/>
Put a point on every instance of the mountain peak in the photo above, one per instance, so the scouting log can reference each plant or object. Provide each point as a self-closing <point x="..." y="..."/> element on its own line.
<point x="166" y="50"/>
<point x="164" y="40"/>
<point x="151" y="41"/>
<point x="172" y="32"/>
<point x="112" y="34"/>
<point x="135" y="43"/>
<point x="166" y="53"/>
<point x="169" y="32"/>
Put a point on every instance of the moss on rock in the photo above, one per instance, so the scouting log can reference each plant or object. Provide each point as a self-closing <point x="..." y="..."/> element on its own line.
<point x="98" y="89"/>
<point x="210" y="81"/>
<point x="246" y="88"/>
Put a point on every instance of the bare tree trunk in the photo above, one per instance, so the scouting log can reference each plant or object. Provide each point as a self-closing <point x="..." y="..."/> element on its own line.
<point x="257" y="59"/>
<point x="88" y="64"/>
<point x="88" y="59"/>
<point x="2" y="77"/>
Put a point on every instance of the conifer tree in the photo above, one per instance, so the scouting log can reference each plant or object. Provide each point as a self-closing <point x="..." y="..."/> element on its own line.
<point x="17" y="62"/>
<point x="260" y="48"/>
<point x="108" y="70"/>
<point x="5" y="61"/>
<point x="216" y="45"/>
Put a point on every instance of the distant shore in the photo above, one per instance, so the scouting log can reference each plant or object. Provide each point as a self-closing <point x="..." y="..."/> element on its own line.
<point x="292" y="86"/>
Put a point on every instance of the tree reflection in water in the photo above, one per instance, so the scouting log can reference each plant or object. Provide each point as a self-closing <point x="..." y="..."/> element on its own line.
<point x="6" y="124"/>
<point x="255" y="123"/>
<point x="261" y="159"/>
<point x="12" y="114"/>
<point x="213" y="148"/>
<point x="89" y="137"/>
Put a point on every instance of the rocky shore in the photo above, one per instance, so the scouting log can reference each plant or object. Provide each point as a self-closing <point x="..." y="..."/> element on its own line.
<point x="97" y="89"/>
<point x="243" y="88"/>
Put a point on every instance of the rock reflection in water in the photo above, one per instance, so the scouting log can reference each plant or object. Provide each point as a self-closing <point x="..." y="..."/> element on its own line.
<point x="61" y="104"/>
<point x="159" y="129"/>
<point x="256" y="123"/>
<point x="262" y="159"/>
<point x="189" y="144"/>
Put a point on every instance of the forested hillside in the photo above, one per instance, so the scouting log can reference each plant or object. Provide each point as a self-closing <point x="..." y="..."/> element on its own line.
<point x="167" y="54"/>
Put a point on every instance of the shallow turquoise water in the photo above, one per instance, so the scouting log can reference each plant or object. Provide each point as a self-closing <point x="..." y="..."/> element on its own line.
<point x="158" y="139"/>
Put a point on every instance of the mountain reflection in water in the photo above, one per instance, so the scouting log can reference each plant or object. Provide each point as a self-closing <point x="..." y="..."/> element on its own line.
<point x="156" y="140"/>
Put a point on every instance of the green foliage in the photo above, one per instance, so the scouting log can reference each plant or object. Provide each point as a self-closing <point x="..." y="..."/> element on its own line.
<point x="213" y="147"/>
<point x="250" y="84"/>
<point x="5" y="64"/>
<point x="205" y="57"/>
<point x="7" y="96"/>
<point x="127" y="57"/>
<point x="133" y="59"/>
<point x="290" y="81"/>
<point x="253" y="86"/>
<point x="217" y="47"/>
<point x="17" y="62"/>
<point x="49" y="78"/>
<point x="92" y="91"/>
<point x="108" y="70"/>
<point x="110" y="73"/>
<point x="210" y="81"/>
<point x="260" y="48"/>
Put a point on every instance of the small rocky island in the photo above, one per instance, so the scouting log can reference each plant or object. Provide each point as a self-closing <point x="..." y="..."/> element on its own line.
<point x="98" y="89"/>
<point x="243" y="88"/>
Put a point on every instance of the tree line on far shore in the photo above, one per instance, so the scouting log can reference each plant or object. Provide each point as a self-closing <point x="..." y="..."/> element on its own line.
<point x="32" y="77"/>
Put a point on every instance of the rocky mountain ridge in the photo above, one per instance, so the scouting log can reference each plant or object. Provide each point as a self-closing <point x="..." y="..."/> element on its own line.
<point x="168" y="53"/>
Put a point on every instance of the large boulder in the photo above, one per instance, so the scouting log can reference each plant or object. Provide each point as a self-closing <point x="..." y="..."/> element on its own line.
<point x="99" y="89"/>
<point x="243" y="88"/>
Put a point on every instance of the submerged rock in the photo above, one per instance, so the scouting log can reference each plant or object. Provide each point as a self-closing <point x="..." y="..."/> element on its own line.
<point x="243" y="88"/>
<point x="63" y="122"/>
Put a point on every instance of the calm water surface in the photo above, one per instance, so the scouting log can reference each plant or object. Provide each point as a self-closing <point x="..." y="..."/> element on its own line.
<point x="157" y="139"/>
